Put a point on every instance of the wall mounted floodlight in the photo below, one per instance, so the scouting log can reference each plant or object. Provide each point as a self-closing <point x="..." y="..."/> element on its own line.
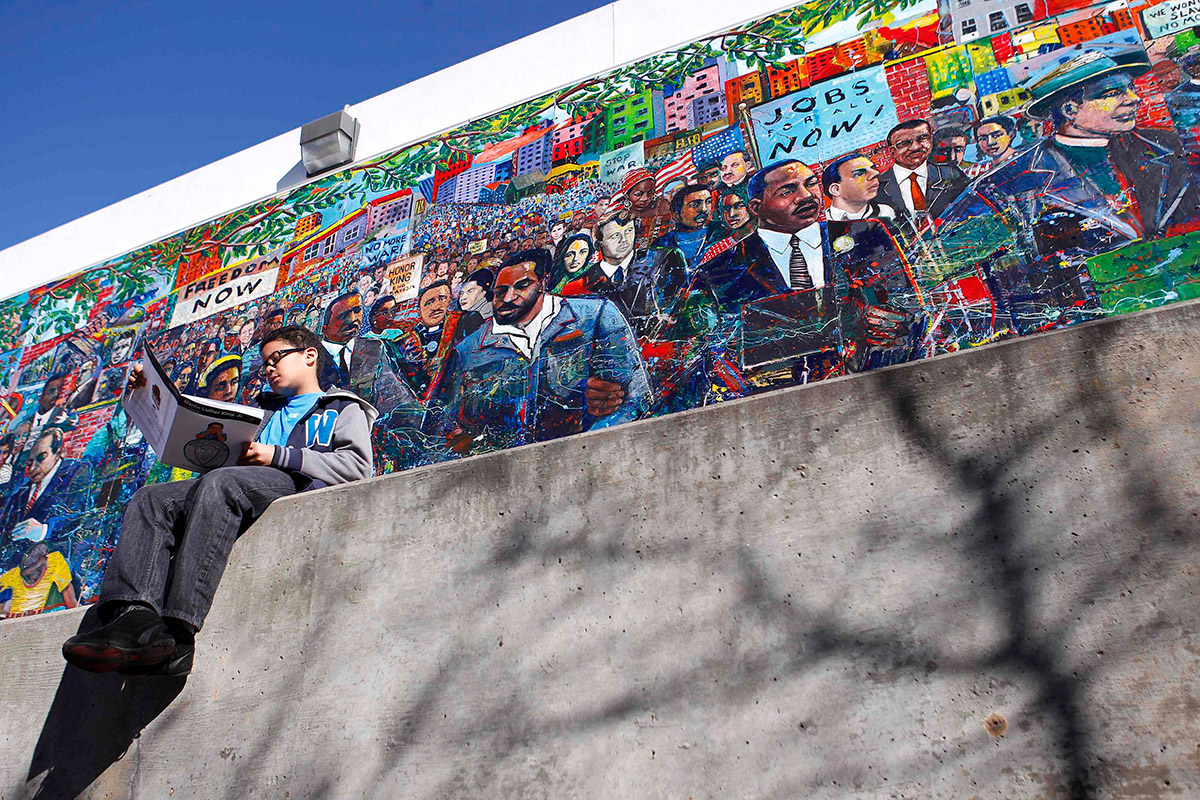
<point x="328" y="142"/>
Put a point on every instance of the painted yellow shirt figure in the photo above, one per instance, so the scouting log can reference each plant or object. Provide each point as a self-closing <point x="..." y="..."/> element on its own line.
<point x="28" y="598"/>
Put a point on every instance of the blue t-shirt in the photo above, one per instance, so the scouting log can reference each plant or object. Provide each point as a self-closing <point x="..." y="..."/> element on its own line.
<point x="279" y="426"/>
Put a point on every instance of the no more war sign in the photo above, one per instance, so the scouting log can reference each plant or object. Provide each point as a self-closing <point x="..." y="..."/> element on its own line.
<point x="1171" y="17"/>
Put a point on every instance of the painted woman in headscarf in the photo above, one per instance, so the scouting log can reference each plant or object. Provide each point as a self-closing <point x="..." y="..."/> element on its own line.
<point x="652" y="212"/>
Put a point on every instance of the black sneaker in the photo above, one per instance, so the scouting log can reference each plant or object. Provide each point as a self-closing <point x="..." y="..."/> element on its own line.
<point x="180" y="664"/>
<point x="177" y="666"/>
<point x="136" y="637"/>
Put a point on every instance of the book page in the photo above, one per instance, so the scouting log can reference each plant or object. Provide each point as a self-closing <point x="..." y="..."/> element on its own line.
<point x="152" y="405"/>
<point x="202" y="442"/>
<point x="191" y="433"/>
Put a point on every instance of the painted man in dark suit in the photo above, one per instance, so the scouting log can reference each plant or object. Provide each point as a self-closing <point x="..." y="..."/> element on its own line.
<point x="914" y="185"/>
<point x="851" y="271"/>
<point x="615" y="233"/>
<point x="47" y="501"/>
<point x="343" y="320"/>
<point x="424" y="348"/>
<point x="788" y="251"/>
<point x="50" y="411"/>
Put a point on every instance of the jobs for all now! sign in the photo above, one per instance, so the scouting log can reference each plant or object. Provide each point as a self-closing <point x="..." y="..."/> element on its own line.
<point x="222" y="291"/>
<point x="826" y="120"/>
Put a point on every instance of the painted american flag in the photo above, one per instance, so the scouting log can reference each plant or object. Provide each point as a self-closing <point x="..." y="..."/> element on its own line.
<point x="719" y="145"/>
<point x="681" y="168"/>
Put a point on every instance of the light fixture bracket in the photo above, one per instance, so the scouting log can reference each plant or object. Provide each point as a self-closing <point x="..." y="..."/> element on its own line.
<point x="328" y="142"/>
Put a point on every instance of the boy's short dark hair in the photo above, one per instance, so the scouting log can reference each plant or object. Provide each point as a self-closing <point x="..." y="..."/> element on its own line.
<point x="298" y="336"/>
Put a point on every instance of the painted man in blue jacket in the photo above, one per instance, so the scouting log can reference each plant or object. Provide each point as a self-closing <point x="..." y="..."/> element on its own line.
<point x="544" y="366"/>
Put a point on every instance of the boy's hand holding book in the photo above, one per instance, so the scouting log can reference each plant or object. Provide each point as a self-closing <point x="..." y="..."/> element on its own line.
<point x="256" y="454"/>
<point x="137" y="378"/>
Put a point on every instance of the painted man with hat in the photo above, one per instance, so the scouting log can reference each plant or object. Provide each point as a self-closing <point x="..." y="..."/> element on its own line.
<point x="1096" y="184"/>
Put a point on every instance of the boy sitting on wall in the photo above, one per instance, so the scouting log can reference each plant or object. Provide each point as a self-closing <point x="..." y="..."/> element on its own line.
<point x="176" y="537"/>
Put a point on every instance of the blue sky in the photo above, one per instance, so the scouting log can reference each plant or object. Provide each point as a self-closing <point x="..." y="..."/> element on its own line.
<point x="101" y="101"/>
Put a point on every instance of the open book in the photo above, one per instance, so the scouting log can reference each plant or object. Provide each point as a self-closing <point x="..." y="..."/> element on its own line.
<point x="189" y="432"/>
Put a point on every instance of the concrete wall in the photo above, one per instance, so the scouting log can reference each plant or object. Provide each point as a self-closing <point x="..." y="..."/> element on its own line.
<point x="610" y="36"/>
<point x="825" y="592"/>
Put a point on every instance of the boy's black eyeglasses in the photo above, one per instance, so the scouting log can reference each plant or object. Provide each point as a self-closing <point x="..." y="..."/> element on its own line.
<point x="274" y="359"/>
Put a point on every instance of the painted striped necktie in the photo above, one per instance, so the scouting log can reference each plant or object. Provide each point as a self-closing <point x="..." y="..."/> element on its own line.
<point x="798" y="274"/>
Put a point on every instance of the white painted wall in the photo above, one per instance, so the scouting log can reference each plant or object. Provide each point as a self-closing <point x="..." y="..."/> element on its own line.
<point x="579" y="48"/>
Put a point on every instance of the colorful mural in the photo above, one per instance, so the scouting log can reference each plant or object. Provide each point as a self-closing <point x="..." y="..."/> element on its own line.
<point x="835" y="188"/>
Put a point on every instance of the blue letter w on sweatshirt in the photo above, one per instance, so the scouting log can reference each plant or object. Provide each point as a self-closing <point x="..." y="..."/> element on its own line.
<point x="319" y="428"/>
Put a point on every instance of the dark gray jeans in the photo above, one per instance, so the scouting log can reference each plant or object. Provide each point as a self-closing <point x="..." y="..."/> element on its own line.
<point x="176" y="538"/>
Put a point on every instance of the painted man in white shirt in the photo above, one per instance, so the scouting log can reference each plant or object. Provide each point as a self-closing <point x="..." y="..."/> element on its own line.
<point x="852" y="184"/>
<point x="615" y="234"/>
<point x="793" y="250"/>
<point x="788" y="252"/>
<point x="544" y="366"/>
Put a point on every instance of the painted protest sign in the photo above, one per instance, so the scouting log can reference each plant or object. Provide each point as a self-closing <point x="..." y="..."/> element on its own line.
<point x="404" y="274"/>
<point x="826" y="120"/>
<point x="1171" y="17"/>
<point x="384" y="251"/>
<point x="224" y="290"/>
<point x="615" y="164"/>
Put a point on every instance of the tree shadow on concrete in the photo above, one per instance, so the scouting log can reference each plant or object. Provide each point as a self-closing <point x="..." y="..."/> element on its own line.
<point x="996" y="550"/>
<point x="1031" y="648"/>
<point x="1012" y="574"/>
<point x="995" y="478"/>
<point x="94" y="721"/>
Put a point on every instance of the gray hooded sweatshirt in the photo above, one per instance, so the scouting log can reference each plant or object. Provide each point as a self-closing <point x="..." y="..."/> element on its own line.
<point x="330" y="444"/>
